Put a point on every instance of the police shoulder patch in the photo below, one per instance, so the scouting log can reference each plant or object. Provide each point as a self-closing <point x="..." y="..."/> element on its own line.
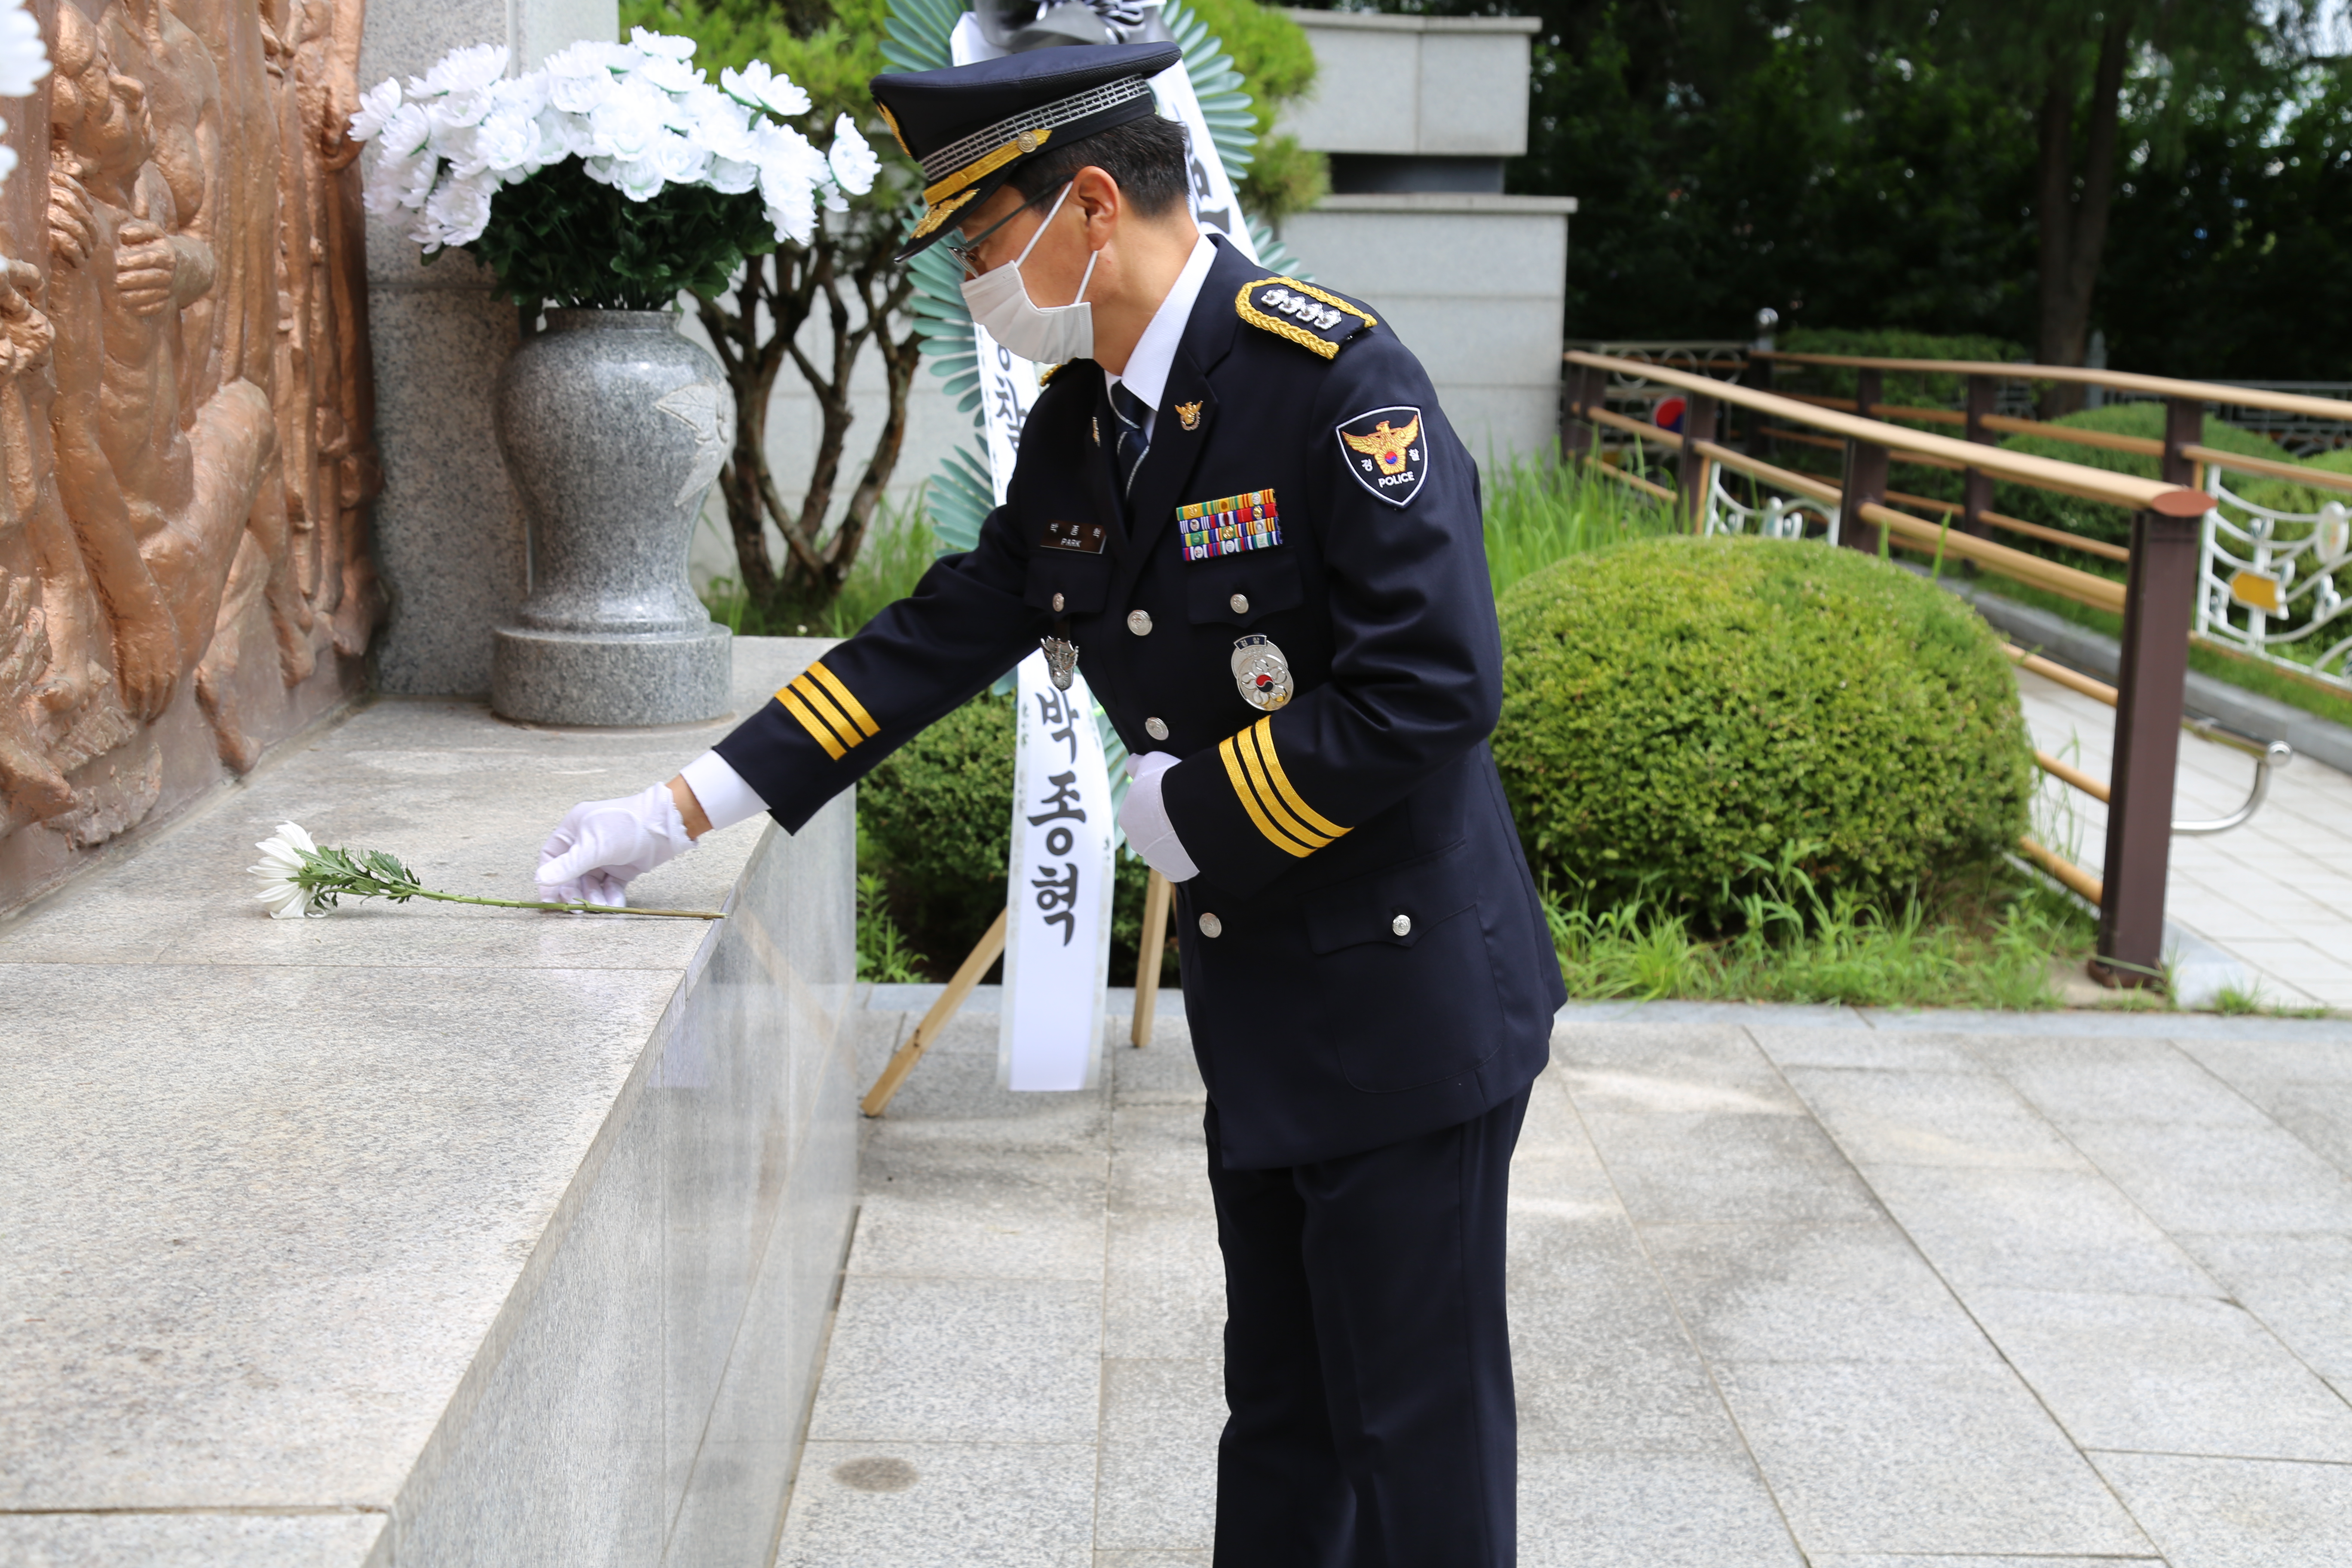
<point x="1305" y="314"/>
<point x="1387" y="451"/>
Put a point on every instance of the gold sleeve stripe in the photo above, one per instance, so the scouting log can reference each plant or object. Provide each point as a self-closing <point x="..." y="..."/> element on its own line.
<point x="1264" y="731"/>
<point x="834" y="720"/>
<point x="844" y="701"/>
<point x="1283" y="819"/>
<point x="799" y="710"/>
<point x="1249" y="801"/>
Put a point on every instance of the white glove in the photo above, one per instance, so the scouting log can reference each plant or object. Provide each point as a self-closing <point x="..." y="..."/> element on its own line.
<point x="1143" y="817"/>
<point x="602" y="844"/>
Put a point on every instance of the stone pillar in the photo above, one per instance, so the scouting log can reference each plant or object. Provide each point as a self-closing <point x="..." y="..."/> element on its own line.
<point x="450" y="534"/>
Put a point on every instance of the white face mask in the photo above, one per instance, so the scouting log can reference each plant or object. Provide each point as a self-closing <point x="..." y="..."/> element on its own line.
<point x="1042" y="334"/>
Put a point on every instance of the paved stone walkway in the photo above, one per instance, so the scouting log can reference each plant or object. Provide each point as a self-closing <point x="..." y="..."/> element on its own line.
<point x="1789" y="1286"/>
<point x="2276" y="894"/>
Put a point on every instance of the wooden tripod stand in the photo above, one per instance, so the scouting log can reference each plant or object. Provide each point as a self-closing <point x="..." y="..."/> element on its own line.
<point x="991" y="946"/>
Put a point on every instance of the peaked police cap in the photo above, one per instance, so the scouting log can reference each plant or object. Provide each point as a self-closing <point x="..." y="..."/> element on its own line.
<point x="971" y="126"/>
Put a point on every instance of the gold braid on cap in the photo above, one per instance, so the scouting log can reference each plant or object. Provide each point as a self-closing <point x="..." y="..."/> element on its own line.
<point x="891" y="120"/>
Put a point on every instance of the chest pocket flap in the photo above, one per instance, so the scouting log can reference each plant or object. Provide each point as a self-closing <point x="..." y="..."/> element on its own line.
<point x="1265" y="582"/>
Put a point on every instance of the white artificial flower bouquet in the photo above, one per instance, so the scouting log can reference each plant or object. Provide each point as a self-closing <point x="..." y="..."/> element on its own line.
<point x="614" y="175"/>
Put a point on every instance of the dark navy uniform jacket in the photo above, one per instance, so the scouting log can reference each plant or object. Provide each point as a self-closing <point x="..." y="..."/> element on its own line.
<point x="1382" y="967"/>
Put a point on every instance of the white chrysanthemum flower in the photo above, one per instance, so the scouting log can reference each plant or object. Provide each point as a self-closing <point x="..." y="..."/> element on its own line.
<point x="661" y="46"/>
<point x="733" y="177"/>
<point x="457" y="112"/>
<point x="405" y="133"/>
<point x="640" y="179"/>
<point x="718" y="123"/>
<point x="680" y="160"/>
<point x="377" y="106"/>
<point x="24" y="59"/>
<point x="670" y="76"/>
<point x="525" y="94"/>
<point x="625" y="125"/>
<point x="508" y="144"/>
<point x="462" y="207"/>
<point x="462" y="70"/>
<point x="853" y="161"/>
<point x="758" y="84"/>
<point x="281" y="863"/>
<point x="582" y="76"/>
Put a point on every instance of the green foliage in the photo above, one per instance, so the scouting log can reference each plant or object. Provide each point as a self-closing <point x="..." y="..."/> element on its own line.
<point x="935" y="818"/>
<point x="883" y="954"/>
<point x="1539" y="511"/>
<point x="1283" y="179"/>
<point x="1677" y="713"/>
<point x="829" y="47"/>
<point x="1887" y="343"/>
<point x="1850" y="164"/>
<point x="1278" y="66"/>
<point x="559" y="238"/>
<point x="896" y="554"/>
<point x="1794" y="945"/>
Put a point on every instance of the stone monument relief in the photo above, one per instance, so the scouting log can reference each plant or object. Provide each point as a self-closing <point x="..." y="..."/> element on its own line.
<point x="185" y="411"/>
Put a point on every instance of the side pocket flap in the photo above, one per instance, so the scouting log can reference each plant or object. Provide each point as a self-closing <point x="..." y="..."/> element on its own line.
<point x="1423" y="891"/>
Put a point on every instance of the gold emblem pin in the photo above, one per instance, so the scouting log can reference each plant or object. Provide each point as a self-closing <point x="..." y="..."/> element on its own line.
<point x="1097" y="423"/>
<point x="1189" y="415"/>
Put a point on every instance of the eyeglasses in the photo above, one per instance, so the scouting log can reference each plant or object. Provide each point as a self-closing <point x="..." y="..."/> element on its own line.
<point x="967" y="252"/>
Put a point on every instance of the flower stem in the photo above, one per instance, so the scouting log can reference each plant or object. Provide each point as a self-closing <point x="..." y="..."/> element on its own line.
<point x="575" y="909"/>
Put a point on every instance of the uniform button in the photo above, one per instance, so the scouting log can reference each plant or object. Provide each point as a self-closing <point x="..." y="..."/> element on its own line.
<point x="1402" y="925"/>
<point x="1240" y="602"/>
<point x="1139" y="622"/>
<point x="1057" y="601"/>
<point x="1156" y="728"/>
<point x="1211" y="926"/>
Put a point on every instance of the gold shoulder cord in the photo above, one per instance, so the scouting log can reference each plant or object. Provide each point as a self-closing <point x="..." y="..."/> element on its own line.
<point x="1292" y="329"/>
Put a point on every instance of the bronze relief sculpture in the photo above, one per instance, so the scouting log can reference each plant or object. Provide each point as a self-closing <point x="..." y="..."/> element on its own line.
<point x="185" y="409"/>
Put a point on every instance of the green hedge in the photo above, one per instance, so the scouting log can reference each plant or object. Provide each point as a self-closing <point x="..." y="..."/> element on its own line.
<point x="934" y="818"/>
<point x="1678" y="714"/>
<point x="1932" y="391"/>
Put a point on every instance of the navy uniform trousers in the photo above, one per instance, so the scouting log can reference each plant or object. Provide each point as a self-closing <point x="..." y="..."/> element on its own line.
<point x="1368" y="1362"/>
<point x="1368" y="973"/>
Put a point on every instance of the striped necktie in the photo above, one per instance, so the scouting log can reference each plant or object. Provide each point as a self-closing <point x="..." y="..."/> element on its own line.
<point x="1132" y="442"/>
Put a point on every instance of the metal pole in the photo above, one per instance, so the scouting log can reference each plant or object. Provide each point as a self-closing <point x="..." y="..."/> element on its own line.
<point x="2184" y="426"/>
<point x="2160" y="586"/>
<point x="1693" y="473"/>
<point x="1865" y="472"/>
<point x="1578" y="434"/>
<point x="1976" y="485"/>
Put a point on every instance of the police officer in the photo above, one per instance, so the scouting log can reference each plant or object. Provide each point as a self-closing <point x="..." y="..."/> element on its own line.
<point x="1240" y="509"/>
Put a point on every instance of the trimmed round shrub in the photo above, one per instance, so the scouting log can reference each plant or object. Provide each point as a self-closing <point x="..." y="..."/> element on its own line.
<point x="935" y="818"/>
<point x="1682" y="717"/>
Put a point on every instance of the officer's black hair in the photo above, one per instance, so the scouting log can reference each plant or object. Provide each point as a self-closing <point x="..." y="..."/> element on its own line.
<point x="1146" y="156"/>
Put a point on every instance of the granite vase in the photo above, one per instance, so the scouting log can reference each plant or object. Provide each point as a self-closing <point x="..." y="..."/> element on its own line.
<point x="613" y="426"/>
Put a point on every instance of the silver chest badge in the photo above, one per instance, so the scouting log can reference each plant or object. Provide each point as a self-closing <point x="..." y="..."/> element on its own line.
<point x="1061" y="661"/>
<point x="1261" y="673"/>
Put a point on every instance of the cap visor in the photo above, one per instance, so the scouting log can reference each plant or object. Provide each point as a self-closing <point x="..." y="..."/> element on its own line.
<point x="981" y="190"/>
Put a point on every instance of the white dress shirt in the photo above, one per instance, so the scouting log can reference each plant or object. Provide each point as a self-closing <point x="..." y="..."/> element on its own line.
<point x="1146" y="375"/>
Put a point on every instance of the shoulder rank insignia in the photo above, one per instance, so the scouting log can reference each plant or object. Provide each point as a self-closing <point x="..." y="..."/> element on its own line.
<point x="1046" y="372"/>
<point x="1302" y="313"/>
<point x="1385" y="451"/>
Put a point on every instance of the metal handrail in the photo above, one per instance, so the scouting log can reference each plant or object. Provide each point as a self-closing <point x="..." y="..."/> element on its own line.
<point x="2042" y="473"/>
<point x="2118" y="380"/>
